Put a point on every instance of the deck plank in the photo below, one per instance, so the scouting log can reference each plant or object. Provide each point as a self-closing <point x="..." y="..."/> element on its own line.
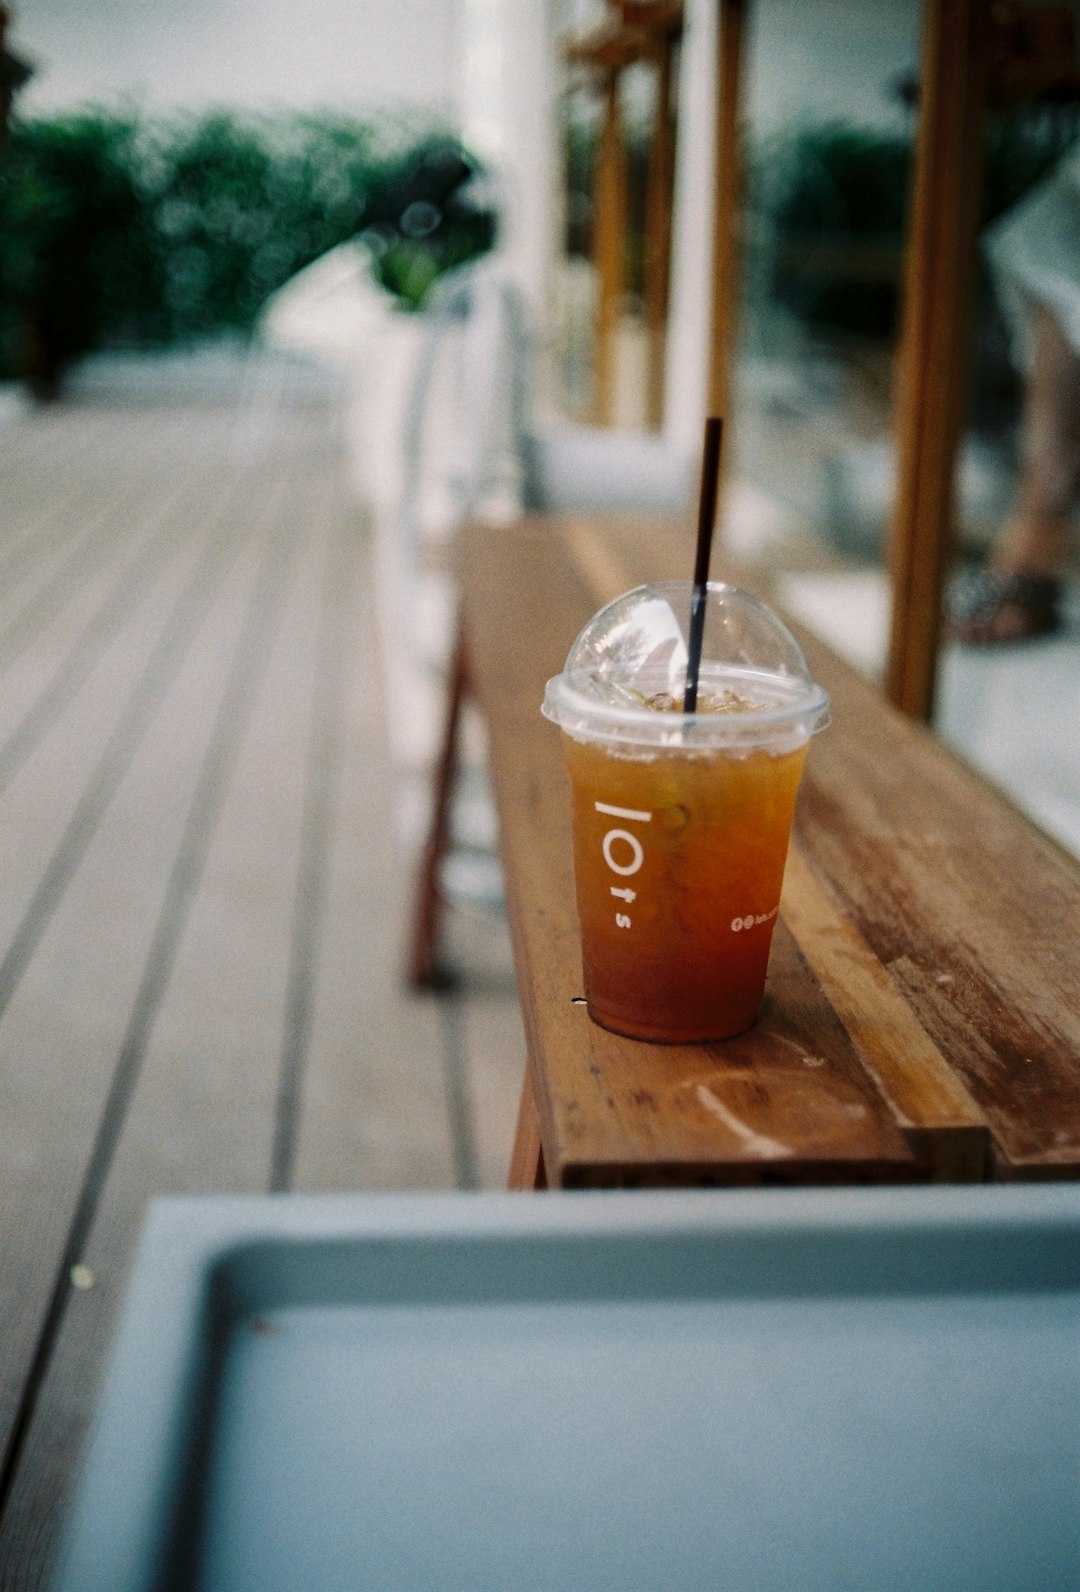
<point x="119" y="974"/>
<point x="369" y="1039"/>
<point x="204" y="901"/>
<point x="199" y="1057"/>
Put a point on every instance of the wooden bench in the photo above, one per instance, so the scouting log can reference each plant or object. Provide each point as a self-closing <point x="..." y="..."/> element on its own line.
<point x="922" y="1019"/>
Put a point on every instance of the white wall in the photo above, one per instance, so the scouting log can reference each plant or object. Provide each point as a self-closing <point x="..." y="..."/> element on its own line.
<point x="355" y="54"/>
<point x="829" y="59"/>
<point x="506" y="90"/>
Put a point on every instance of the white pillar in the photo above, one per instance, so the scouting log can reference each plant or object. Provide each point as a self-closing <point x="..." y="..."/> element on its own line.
<point x="687" y="360"/>
<point x="507" y="117"/>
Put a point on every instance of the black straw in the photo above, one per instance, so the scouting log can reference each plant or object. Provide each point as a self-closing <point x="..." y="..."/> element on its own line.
<point x="710" y="477"/>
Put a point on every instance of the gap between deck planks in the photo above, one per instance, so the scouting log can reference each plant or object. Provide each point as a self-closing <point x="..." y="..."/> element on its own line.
<point x="203" y="913"/>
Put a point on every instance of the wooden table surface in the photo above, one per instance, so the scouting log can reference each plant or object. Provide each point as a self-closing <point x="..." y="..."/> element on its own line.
<point x="922" y="1015"/>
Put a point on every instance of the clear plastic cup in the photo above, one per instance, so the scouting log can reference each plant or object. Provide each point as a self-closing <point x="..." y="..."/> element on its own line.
<point x="681" y="821"/>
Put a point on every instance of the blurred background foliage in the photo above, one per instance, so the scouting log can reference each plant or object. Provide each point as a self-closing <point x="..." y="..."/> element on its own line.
<point x="828" y="206"/>
<point x="825" y="234"/>
<point x="123" y="231"/>
<point x="826" y="210"/>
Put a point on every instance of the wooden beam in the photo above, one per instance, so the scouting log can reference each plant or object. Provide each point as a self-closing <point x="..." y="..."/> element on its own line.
<point x="657" y="18"/>
<point x="609" y="251"/>
<point x="659" y="200"/>
<point x="934" y="354"/>
<point x="14" y="72"/>
<point x="609" y="49"/>
<point x="628" y="36"/>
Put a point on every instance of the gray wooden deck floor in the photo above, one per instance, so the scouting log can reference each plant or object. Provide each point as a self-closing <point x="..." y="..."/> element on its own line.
<point x="202" y="898"/>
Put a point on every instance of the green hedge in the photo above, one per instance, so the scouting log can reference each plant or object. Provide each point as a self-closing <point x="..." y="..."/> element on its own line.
<point x="118" y="230"/>
<point x="821" y="192"/>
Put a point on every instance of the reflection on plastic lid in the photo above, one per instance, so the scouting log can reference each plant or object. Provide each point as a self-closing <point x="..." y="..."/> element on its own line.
<point x="625" y="675"/>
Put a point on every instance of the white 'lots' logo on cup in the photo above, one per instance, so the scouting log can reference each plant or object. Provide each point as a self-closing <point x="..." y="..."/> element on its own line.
<point x="624" y="855"/>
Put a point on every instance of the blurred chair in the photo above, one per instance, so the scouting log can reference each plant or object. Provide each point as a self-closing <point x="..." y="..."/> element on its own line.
<point x="498" y="461"/>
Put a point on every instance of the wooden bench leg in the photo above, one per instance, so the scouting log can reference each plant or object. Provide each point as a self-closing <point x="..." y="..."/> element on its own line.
<point x="424" y="970"/>
<point x="527" y="1170"/>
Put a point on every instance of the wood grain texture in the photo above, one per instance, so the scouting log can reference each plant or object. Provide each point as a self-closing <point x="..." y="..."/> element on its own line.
<point x="944" y="1128"/>
<point x="951" y="887"/>
<point x="608" y="250"/>
<point x="659" y="207"/>
<point x="973" y="914"/>
<point x="527" y="1158"/>
<point x="921" y="1015"/>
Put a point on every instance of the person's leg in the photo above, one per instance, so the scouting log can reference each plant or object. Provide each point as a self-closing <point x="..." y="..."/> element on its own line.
<point x="1017" y="595"/>
<point x="1036" y="539"/>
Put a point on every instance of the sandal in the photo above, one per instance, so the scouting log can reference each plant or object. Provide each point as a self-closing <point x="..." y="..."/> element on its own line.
<point x="987" y="609"/>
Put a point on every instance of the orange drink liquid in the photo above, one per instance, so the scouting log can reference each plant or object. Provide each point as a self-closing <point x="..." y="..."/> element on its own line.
<point x="679" y="857"/>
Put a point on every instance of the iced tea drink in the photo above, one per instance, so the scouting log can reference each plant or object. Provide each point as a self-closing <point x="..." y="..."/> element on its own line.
<point x="678" y="859"/>
<point x="681" y="821"/>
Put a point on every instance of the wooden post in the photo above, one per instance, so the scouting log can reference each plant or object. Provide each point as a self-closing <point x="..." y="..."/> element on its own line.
<point x="425" y="971"/>
<point x="934" y="353"/>
<point x="658" y="218"/>
<point x="731" y="21"/>
<point x="609" y="250"/>
<point x="14" y="73"/>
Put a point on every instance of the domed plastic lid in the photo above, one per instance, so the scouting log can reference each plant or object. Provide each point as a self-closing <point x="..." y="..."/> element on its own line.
<point x="625" y="675"/>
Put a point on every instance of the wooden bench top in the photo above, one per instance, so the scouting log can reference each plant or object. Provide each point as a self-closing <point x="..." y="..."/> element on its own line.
<point x="922" y="1016"/>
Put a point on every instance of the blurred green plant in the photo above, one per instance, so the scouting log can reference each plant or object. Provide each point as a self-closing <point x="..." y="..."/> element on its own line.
<point x="71" y="242"/>
<point x="118" y="230"/>
<point x="431" y="209"/>
<point x="828" y="211"/>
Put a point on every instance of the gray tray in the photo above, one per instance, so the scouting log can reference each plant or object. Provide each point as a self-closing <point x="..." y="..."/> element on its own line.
<point x="856" y="1389"/>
